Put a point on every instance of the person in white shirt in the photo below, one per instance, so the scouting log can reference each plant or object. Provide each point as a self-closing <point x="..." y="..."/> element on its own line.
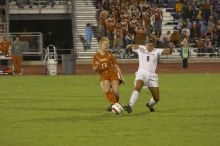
<point x="146" y="75"/>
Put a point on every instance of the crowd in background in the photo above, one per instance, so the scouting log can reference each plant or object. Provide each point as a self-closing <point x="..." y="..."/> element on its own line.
<point x="201" y="20"/>
<point x="132" y="21"/>
<point x="43" y="3"/>
<point x="21" y="3"/>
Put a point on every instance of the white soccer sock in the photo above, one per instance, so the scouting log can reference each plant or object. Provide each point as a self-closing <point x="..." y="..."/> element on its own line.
<point x="152" y="102"/>
<point x="133" y="98"/>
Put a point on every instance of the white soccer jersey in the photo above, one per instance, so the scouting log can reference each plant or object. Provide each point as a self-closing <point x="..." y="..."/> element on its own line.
<point x="147" y="60"/>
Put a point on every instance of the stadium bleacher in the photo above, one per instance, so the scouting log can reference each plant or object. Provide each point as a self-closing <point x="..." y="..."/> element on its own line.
<point x="87" y="11"/>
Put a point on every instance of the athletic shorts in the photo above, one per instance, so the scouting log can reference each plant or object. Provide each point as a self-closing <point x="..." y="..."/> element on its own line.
<point x="110" y="76"/>
<point x="150" y="80"/>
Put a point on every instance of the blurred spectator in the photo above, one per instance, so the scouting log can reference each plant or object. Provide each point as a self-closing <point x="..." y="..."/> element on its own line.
<point x="206" y="10"/>
<point x="208" y="44"/>
<point x="51" y="2"/>
<point x="211" y="24"/>
<point x="5" y="50"/>
<point x="175" y="37"/>
<point x="102" y="22"/>
<point x="4" y="46"/>
<point x="179" y="9"/>
<point x="158" y="40"/>
<point x="26" y="37"/>
<point x="171" y="3"/>
<point x="146" y="19"/>
<point x="184" y="51"/>
<point x="110" y="25"/>
<point x="117" y="38"/>
<point x="203" y="28"/>
<point x="165" y="39"/>
<point x="185" y="31"/>
<point x="200" y="44"/>
<point x="104" y="4"/>
<point x="88" y="36"/>
<point x="18" y="47"/>
<point x="189" y="13"/>
<point x="158" y="14"/>
<point x="217" y="34"/>
<point x="199" y="14"/>
<point x="194" y="31"/>
<point x="180" y="24"/>
<point x="124" y="26"/>
<point x="129" y="39"/>
<point x="140" y="34"/>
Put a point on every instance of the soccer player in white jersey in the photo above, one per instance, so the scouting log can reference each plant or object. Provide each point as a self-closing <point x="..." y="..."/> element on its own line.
<point x="146" y="75"/>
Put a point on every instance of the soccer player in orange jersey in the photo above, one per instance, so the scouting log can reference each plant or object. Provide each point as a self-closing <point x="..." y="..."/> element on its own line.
<point x="110" y="74"/>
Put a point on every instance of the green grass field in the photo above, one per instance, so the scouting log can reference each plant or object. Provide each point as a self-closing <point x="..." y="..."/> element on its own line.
<point x="69" y="111"/>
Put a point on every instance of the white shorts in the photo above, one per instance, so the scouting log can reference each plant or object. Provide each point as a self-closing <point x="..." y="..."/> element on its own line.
<point x="150" y="80"/>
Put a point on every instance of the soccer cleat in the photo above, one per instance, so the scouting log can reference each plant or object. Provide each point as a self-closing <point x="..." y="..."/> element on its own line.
<point x="150" y="108"/>
<point x="128" y="108"/>
<point x="109" y="109"/>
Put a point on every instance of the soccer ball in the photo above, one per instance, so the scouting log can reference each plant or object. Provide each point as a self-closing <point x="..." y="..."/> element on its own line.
<point x="117" y="108"/>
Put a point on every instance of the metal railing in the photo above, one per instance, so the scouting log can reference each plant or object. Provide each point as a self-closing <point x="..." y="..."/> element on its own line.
<point x="34" y="42"/>
<point x="3" y="27"/>
<point x="37" y="3"/>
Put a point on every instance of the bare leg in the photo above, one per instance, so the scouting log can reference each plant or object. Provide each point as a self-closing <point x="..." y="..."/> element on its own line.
<point x="115" y="88"/>
<point x="106" y="87"/>
<point x="155" y="98"/>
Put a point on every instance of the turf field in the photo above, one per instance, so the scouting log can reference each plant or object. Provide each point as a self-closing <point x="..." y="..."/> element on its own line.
<point x="69" y="111"/>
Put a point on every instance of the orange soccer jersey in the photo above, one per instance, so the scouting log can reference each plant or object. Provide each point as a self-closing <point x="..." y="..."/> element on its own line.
<point x="4" y="46"/>
<point x="106" y="68"/>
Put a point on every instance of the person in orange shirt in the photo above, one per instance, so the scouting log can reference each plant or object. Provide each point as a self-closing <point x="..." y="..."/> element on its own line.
<point x="4" y="46"/>
<point x="110" y="74"/>
<point x="179" y="9"/>
<point x="17" y="48"/>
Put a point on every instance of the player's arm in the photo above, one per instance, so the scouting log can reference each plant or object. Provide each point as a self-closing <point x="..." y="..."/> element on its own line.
<point x="132" y="46"/>
<point x="120" y="76"/>
<point x="168" y="50"/>
<point x="95" y="64"/>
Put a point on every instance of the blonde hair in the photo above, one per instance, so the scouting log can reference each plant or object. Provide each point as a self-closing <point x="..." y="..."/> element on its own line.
<point x="104" y="39"/>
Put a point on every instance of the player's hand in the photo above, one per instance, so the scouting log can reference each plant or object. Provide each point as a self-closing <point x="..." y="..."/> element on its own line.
<point x="97" y="63"/>
<point x="132" y="46"/>
<point x="121" y="79"/>
<point x="96" y="66"/>
<point x="121" y="82"/>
